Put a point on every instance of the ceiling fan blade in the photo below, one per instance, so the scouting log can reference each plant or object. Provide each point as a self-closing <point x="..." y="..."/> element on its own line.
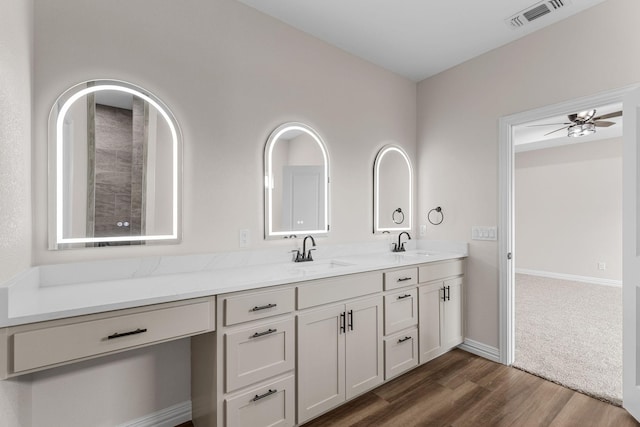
<point x="609" y="116"/>
<point x="553" y="131"/>
<point x="603" y="124"/>
<point x="550" y="124"/>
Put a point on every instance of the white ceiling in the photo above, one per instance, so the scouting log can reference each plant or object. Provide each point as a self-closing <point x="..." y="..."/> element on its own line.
<point x="414" y="38"/>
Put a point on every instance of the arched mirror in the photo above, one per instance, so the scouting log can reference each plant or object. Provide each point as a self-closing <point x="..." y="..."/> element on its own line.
<point x="296" y="182"/>
<point x="393" y="190"/>
<point x="114" y="167"/>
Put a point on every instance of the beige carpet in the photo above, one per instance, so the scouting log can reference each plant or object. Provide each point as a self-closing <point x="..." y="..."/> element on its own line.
<point x="570" y="333"/>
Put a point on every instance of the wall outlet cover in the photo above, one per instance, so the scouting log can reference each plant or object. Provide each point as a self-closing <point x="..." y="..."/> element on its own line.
<point x="243" y="238"/>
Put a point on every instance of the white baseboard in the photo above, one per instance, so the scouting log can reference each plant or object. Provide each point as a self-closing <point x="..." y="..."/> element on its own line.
<point x="167" y="417"/>
<point x="574" y="278"/>
<point x="480" y="349"/>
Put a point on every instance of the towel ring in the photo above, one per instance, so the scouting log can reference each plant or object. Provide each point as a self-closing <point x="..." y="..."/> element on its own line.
<point x="437" y="210"/>
<point x="399" y="218"/>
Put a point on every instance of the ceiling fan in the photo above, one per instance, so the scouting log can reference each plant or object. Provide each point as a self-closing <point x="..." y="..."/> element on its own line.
<point x="583" y="123"/>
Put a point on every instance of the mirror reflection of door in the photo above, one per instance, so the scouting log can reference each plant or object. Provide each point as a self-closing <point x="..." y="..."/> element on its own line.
<point x="117" y="146"/>
<point x="298" y="183"/>
<point x="303" y="197"/>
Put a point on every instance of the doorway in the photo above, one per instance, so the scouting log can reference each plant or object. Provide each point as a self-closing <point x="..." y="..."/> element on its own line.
<point x="507" y="254"/>
<point x="568" y="263"/>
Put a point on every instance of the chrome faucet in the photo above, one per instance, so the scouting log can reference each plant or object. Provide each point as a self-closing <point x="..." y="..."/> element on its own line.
<point x="306" y="254"/>
<point x="399" y="247"/>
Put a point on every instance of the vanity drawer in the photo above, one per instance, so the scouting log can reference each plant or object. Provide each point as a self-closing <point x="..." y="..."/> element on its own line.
<point x="400" y="310"/>
<point x="400" y="278"/>
<point x="58" y="344"/>
<point x="258" y="305"/>
<point x="257" y="353"/>
<point x="440" y="270"/>
<point x="400" y="352"/>
<point x="268" y="405"/>
<point x="326" y="291"/>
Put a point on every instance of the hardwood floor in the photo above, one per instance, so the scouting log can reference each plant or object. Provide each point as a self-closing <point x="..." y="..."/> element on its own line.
<point x="461" y="389"/>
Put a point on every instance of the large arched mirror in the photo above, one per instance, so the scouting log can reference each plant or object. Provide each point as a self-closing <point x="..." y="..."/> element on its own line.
<point x="114" y="167"/>
<point x="393" y="190"/>
<point x="296" y="182"/>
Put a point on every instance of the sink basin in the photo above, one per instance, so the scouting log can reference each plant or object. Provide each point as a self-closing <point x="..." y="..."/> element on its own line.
<point x="312" y="267"/>
<point x="419" y="253"/>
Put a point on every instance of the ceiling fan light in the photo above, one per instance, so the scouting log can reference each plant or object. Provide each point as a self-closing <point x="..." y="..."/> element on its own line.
<point x="579" y="130"/>
<point x="586" y="115"/>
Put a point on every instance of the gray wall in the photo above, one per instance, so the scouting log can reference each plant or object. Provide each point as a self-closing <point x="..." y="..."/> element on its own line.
<point x="16" y="64"/>
<point x="568" y="209"/>
<point x="458" y="112"/>
<point x="230" y="75"/>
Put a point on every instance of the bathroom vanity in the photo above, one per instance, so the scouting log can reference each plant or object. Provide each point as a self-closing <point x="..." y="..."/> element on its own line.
<point x="272" y="344"/>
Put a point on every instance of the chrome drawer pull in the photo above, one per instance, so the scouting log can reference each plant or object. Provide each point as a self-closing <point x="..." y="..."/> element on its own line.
<point x="262" y="396"/>
<point x="126" y="334"/>
<point x="263" y="307"/>
<point x="404" y="296"/>
<point x="261" y="334"/>
<point x="404" y="279"/>
<point x="403" y="339"/>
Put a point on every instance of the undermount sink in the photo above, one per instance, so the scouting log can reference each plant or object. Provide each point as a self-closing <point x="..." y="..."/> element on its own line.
<point x="312" y="267"/>
<point x="419" y="253"/>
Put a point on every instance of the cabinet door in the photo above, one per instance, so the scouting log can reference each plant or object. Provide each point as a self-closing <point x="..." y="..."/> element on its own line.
<point x="364" y="352"/>
<point x="452" y="323"/>
<point x="430" y="306"/>
<point x="321" y="363"/>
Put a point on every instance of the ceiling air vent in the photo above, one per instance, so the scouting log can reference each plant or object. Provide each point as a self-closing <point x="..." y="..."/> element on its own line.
<point x="535" y="11"/>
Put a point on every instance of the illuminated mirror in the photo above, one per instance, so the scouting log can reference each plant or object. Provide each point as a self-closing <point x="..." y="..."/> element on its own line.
<point x="114" y="167"/>
<point x="296" y="182"/>
<point x="393" y="190"/>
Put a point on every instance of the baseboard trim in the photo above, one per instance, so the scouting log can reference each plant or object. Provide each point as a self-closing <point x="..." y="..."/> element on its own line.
<point x="574" y="278"/>
<point x="167" y="417"/>
<point x="480" y="349"/>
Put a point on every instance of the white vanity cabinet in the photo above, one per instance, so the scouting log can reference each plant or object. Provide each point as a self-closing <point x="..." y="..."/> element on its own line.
<point x="244" y="375"/>
<point x="440" y="296"/>
<point x="340" y="351"/>
<point x="400" y="321"/>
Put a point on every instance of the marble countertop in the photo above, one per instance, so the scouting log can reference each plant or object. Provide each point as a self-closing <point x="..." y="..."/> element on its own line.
<point x="66" y="290"/>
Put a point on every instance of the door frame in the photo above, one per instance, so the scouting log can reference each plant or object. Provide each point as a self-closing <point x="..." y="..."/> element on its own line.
<point x="506" y="243"/>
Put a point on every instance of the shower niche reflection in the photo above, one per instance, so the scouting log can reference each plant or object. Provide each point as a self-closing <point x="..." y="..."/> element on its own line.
<point x="115" y="161"/>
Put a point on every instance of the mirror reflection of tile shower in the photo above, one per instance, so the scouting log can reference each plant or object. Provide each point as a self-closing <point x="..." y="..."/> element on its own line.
<point x="117" y="149"/>
<point x="114" y="167"/>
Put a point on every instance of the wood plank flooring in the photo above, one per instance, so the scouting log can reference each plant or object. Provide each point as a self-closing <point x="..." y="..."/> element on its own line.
<point x="461" y="389"/>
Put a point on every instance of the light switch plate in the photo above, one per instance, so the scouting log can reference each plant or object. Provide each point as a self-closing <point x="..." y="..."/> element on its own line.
<point x="480" y="232"/>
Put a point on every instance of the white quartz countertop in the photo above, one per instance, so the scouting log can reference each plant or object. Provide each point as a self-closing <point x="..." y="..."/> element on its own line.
<point x="67" y="290"/>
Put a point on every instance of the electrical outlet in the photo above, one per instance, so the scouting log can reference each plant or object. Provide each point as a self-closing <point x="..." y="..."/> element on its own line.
<point x="423" y="229"/>
<point x="602" y="266"/>
<point x="243" y="238"/>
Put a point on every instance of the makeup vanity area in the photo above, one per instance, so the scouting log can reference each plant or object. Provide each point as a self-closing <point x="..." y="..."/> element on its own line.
<point x="276" y="338"/>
